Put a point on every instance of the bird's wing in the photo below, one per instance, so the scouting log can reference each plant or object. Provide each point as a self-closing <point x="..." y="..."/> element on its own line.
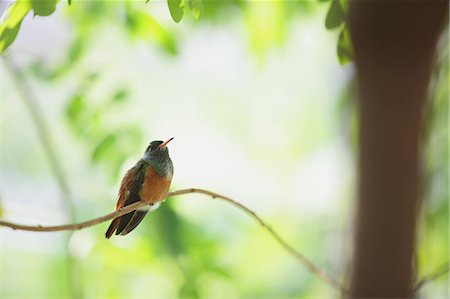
<point x="128" y="194"/>
<point x="125" y="187"/>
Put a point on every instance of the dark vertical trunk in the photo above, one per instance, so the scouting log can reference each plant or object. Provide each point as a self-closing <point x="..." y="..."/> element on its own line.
<point x="394" y="43"/>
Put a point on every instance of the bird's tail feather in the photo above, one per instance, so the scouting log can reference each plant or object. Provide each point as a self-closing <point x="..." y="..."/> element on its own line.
<point x="112" y="228"/>
<point x="134" y="221"/>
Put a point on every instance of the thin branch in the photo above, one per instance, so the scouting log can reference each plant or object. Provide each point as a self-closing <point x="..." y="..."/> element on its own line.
<point x="443" y="269"/>
<point x="298" y="255"/>
<point x="77" y="226"/>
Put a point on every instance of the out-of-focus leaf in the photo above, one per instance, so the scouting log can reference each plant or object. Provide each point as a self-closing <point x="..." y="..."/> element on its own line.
<point x="219" y="271"/>
<point x="176" y="8"/>
<point x="144" y="26"/>
<point x="345" y="4"/>
<point x="75" y="107"/>
<point x="196" y="7"/>
<point x="91" y="77"/>
<point x="12" y="21"/>
<point x="8" y="36"/>
<point x="189" y="288"/>
<point x="76" y="49"/>
<point x="121" y="95"/>
<point x="344" y="47"/>
<point x="266" y="25"/>
<point x="147" y="1"/>
<point x="335" y="16"/>
<point x="103" y="147"/>
<point x="44" y="7"/>
<point x="78" y="116"/>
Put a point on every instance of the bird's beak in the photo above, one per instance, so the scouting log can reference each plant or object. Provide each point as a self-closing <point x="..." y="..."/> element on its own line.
<point x="164" y="144"/>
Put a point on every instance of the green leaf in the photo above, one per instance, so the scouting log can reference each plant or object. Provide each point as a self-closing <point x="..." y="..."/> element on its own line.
<point x="102" y="148"/>
<point x="145" y="27"/>
<point x="76" y="50"/>
<point x="176" y="8"/>
<point x="345" y="4"/>
<point x="12" y="21"/>
<point x="78" y="116"/>
<point x="44" y="7"/>
<point x="8" y="36"/>
<point x="344" y="47"/>
<point x="121" y="95"/>
<point x="196" y="7"/>
<point x="76" y="106"/>
<point x="335" y="16"/>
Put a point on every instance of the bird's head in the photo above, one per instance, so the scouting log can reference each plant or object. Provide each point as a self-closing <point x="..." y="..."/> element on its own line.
<point x="157" y="155"/>
<point x="158" y="147"/>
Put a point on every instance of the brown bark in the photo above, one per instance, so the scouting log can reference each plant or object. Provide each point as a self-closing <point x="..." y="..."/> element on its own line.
<point x="394" y="43"/>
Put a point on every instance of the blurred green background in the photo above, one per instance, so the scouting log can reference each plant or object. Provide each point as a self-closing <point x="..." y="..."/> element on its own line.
<point x="261" y="110"/>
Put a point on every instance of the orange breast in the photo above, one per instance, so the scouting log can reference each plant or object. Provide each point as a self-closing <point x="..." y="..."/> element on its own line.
<point x="155" y="187"/>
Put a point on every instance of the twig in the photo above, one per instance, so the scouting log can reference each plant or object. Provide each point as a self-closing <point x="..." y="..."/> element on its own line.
<point x="443" y="269"/>
<point x="299" y="256"/>
<point x="77" y="226"/>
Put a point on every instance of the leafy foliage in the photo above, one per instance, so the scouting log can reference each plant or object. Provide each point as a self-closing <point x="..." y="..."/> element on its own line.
<point x="11" y="24"/>
<point x="141" y="25"/>
<point x="168" y="242"/>
<point x="19" y="9"/>
<point x="335" y="16"/>
<point x="196" y="7"/>
<point x="109" y="146"/>
<point x="176" y="8"/>
<point x="44" y="7"/>
<point x="336" y="19"/>
<point x="344" y="47"/>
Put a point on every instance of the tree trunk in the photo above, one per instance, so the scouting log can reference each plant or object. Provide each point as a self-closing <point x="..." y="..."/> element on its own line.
<point x="394" y="44"/>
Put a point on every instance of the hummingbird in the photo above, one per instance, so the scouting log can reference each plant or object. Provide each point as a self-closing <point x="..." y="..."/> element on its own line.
<point x="148" y="180"/>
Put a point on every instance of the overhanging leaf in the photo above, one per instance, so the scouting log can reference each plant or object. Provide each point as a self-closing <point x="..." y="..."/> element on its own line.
<point x="196" y="7"/>
<point x="344" y="6"/>
<point x="344" y="47"/>
<point x="335" y="16"/>
<point x="144" y="26"/>
<point x="12" y="21"/>
<point x="44" y="7"/>
<point x="176" y="8"/>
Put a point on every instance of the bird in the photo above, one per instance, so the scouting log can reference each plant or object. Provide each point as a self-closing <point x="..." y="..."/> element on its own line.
<point x="149" y="181"/>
